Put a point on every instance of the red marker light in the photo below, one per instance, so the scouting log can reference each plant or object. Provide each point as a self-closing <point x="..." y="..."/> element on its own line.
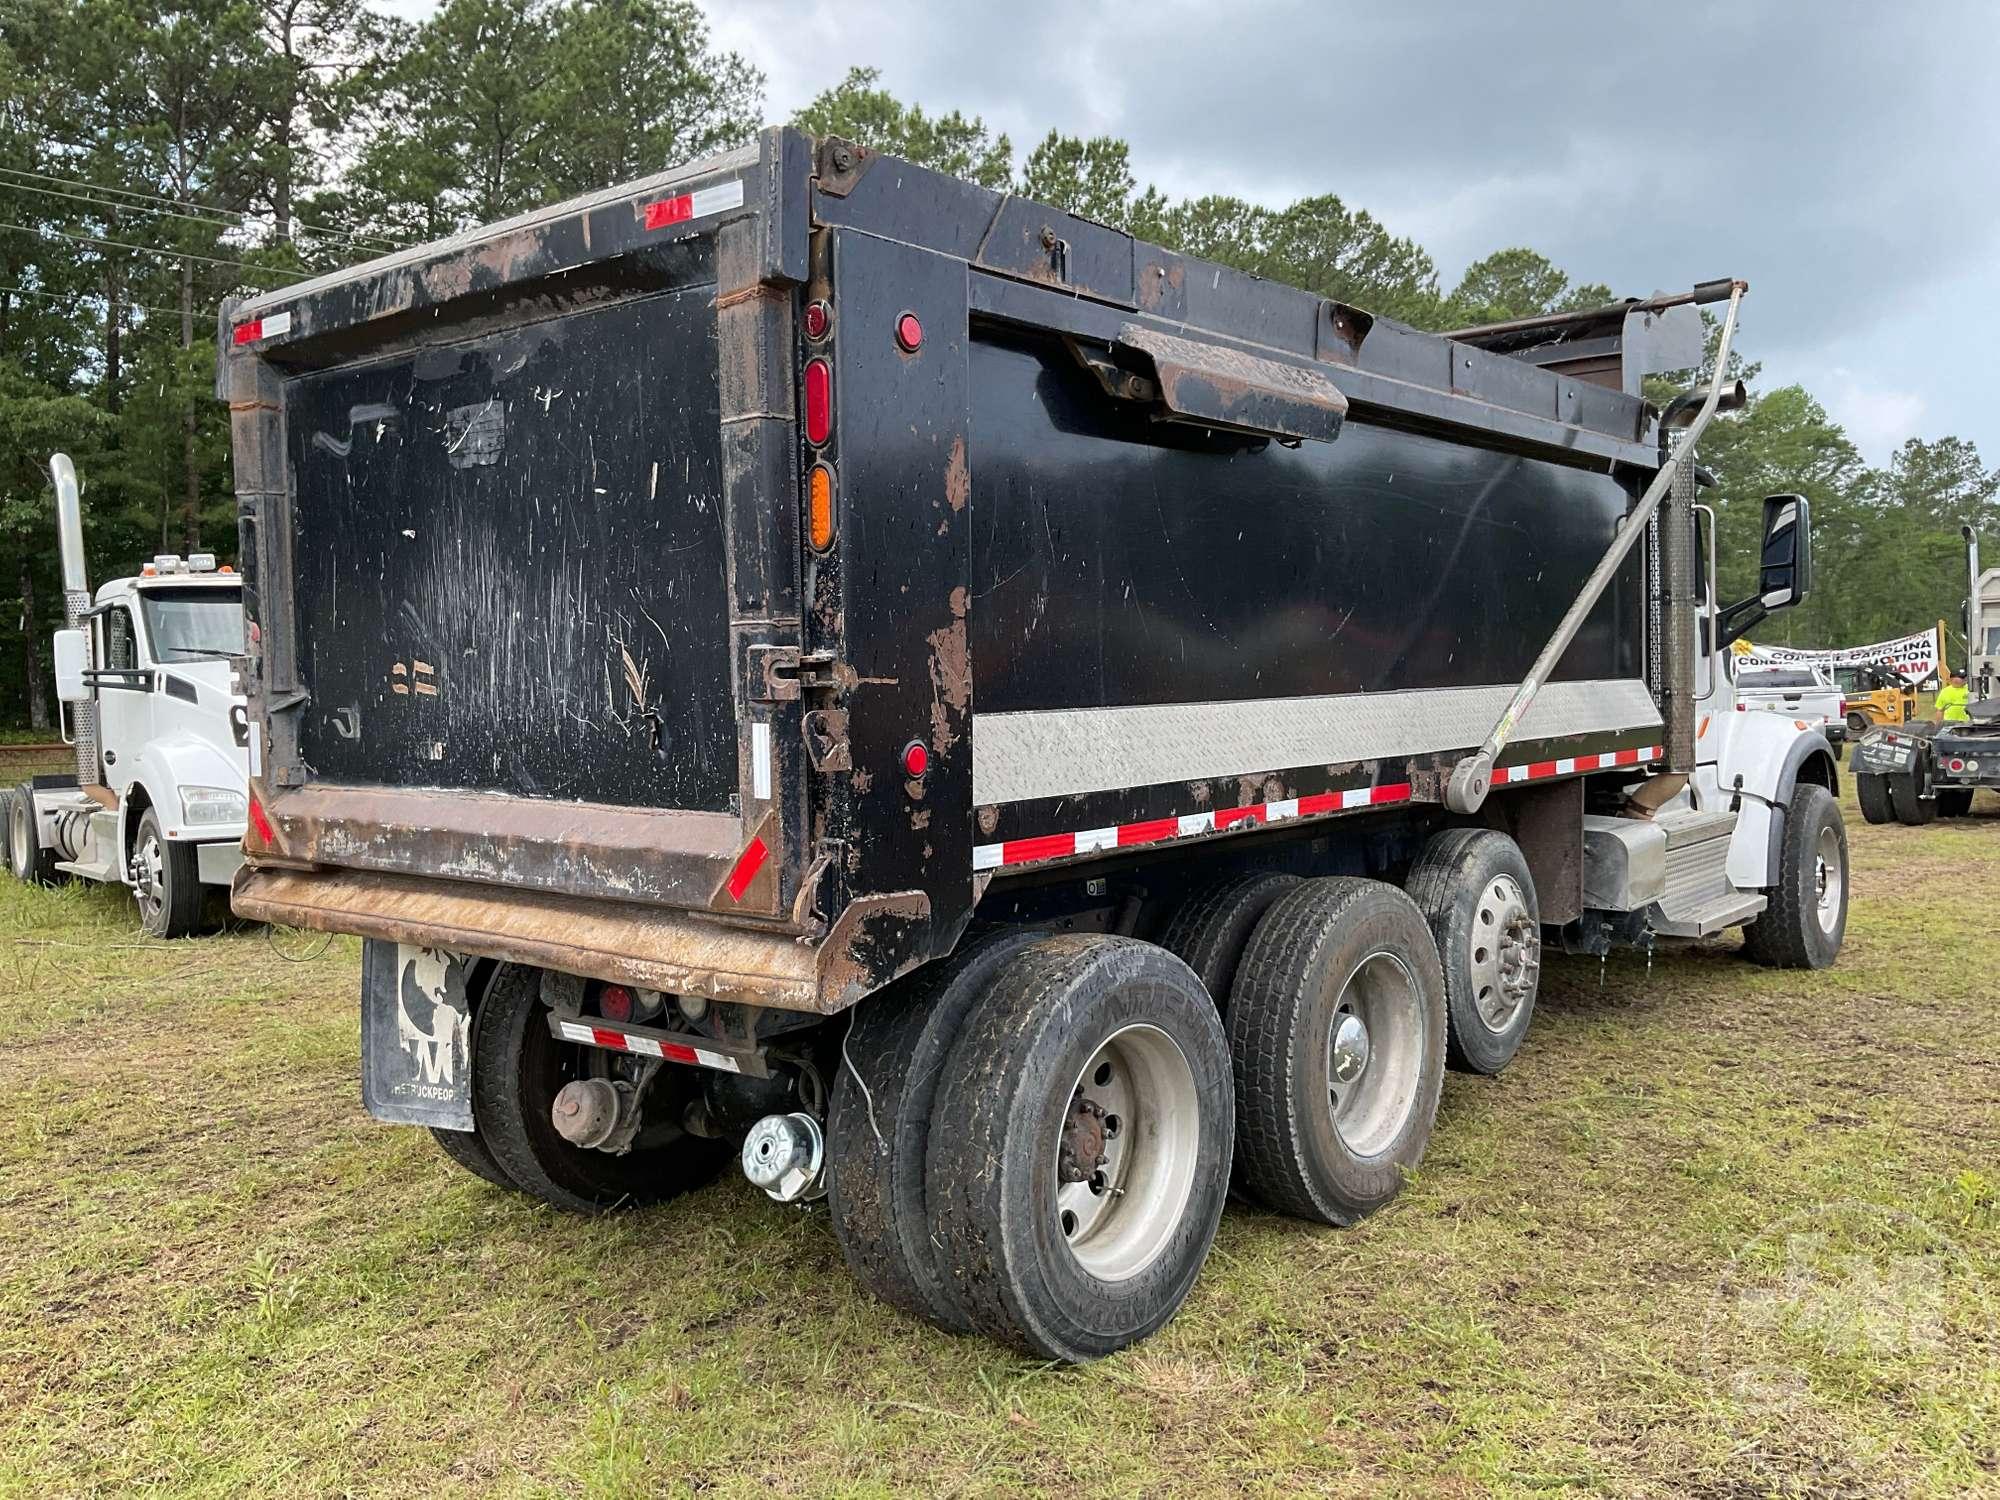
<point x="818" y="318"/>
<point x="909" y="333"/>
<point x="916" y="759"/>
<point x="614" y="1003"/>
<point x="819" y="401"/>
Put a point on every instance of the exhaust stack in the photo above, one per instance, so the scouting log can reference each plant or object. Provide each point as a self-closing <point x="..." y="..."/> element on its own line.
<point x="76" y="600"/>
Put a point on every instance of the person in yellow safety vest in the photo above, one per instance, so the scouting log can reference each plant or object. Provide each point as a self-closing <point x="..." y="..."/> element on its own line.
<point x="1951" y="700"/>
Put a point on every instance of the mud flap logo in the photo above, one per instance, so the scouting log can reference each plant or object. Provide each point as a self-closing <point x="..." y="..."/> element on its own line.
<point x="433" y="1021"/>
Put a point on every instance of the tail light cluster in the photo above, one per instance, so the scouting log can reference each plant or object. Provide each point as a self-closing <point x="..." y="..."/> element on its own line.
<point x="817" y="320"/>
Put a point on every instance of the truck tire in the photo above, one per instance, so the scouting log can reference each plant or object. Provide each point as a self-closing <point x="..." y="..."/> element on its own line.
<point x="1857" y="725"/>
<point x="1803" y="926"/>
<point x="1910" y="809"/>
<point x="166" y="879"/>
<point x="469" y="1150"/>
<point x="1337" y="1031"/>
<point x="898" y="1042"/>
<point x="1099" y="1060"/>
<point x="1474" y="888"/>
<point x="1955" y="802"/>
<point x="1872" y="792"/>
<point x="518" y="1068"/>
<point x="30" y="862"/>
<point x="1212" y="925"/>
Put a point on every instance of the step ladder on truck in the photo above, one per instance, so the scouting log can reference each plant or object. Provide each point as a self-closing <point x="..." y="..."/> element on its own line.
<point x="146" y="686"/>
<point x="804" y="661"/>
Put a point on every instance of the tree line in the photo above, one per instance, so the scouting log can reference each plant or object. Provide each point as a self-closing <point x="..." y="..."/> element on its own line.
<point x="159" y="155"/>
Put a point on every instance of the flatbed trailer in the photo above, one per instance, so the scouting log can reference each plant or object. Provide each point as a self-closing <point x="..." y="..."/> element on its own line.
<point x="804" y="660"/>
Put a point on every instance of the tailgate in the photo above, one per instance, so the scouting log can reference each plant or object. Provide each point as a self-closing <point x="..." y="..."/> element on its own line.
<point x="520" y="515"/>
<point x="510" y="562"/>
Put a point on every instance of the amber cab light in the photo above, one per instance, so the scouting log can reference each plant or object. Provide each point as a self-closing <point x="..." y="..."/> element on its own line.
<point x="819" y="401"/>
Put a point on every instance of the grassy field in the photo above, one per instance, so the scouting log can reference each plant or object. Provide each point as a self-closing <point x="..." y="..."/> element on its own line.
<point x="1717" y="1232"/>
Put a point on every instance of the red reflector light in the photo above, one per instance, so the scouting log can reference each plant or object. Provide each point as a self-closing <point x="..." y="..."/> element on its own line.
<point x="248" y="333"/>
<point x="909" y="333"/>
<point x="614" y="1003"/>
<point x="916" y="759"/>
<point x="819" y="401"/>
<point x="261" y="823"/>
<point x="670" y="211"/>
<point x="818" y="318"/>
<point x="1958" y="765"/>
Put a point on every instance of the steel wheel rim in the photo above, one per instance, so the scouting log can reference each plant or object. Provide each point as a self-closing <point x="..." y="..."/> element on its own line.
<point x="1379" y="1006"/>
<point x="146" y="883"/>
<point x="1829" y="878"/>
<point x="1504" y="951"/>
<point x="1120" y="1217"/>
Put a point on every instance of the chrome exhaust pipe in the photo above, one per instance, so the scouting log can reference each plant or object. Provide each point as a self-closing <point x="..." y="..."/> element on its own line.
<point x="76" y="603"/>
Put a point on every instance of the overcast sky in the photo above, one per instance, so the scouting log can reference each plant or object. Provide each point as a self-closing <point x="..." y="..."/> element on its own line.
<point x="1841" y="156"/>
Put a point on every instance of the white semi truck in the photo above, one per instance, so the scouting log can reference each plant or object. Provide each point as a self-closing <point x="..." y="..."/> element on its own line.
<point x="147" y="690"/>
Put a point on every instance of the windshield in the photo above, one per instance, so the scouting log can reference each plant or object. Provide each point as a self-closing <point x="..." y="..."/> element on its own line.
<point x="192" y="624"/>
<point x="1993" y="640"/>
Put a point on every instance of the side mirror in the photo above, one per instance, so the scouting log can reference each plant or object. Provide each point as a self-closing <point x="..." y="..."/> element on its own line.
<point x="1785" y="576"/>
<point x="72" y="656"/>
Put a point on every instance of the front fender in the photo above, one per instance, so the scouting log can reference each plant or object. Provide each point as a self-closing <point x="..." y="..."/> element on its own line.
<point x="164" y="767"/>
<point x="1772" y="755"/>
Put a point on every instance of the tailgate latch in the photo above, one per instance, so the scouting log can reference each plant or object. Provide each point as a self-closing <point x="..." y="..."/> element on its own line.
<point x="779" y="673"/>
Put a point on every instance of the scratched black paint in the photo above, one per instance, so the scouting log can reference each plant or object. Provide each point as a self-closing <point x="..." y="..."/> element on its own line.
<point x="1118" y="562"/>
<point x="523" y="533"/>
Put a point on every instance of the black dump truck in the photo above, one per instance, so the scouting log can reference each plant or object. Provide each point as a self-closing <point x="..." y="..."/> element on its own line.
<point x="1927" y="769"/>
<point x="806" y="662"/>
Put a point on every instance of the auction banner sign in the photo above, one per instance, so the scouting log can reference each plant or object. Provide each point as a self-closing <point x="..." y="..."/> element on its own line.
<point x="1915" y="657"/>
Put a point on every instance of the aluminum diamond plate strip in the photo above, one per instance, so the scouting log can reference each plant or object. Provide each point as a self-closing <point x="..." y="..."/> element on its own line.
<point x="1018" y="757"/>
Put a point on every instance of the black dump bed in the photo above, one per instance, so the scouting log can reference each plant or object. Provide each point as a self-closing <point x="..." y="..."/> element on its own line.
<point x="722" y="581"/>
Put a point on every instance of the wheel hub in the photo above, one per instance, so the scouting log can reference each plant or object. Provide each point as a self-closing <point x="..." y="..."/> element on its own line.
<point x="1350" y="1049"/>
<point x="1505" y="952"/>
<point x="145" y="871"/>
<point x="1126" y="1154"/>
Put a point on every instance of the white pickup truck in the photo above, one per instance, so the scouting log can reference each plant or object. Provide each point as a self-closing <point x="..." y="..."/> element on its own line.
<point x="1798" y="692"/>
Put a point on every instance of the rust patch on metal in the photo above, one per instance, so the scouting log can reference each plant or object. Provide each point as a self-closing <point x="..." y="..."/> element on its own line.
<point x="755" y="292"/>
<point x="957" y="477"/>
<point x="951" y="677"/>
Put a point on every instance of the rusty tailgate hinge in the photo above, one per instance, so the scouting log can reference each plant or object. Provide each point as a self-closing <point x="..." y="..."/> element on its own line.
<point x="779" y="673"/>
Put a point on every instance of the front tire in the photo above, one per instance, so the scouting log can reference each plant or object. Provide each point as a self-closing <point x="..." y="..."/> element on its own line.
<point x="519" y="1068"/>
<point x="1079" y="1152"/>
<point x="166" y="879"/>
<point x="1337" y="1029"/>
<point x="1806" y="920"/>
<point x="1872" y="792"/>
<point x="1474" y="888"/>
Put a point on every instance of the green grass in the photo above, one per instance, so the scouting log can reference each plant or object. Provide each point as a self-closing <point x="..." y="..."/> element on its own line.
<point x="1718" y="1231"/>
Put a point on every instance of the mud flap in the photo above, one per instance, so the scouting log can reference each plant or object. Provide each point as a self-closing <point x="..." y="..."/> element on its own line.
<point x="416" y="1036"/>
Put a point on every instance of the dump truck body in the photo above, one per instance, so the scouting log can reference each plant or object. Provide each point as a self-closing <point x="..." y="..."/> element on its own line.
<point x="678" y="614"/>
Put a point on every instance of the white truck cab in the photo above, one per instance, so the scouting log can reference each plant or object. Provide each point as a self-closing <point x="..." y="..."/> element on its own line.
<point x="144" y="672"/>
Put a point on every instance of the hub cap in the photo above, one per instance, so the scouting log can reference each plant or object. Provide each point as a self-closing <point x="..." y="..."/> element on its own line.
<point x="1375" y="1054"/>
<point x="148" y="883"/>
<point x="1505" y="953"/>
<point x="1829" y="878"/>
<point x="1126" y="1154"/>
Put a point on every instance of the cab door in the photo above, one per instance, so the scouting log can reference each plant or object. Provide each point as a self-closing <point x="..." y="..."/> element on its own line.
<point x="124" y="696"/>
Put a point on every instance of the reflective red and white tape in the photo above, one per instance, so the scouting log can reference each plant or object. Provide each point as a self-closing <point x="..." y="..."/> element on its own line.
<point x="645" y="1046"/>
<point x="1570" y="766"/>
<point x="1159" y="830"/>
<point x="696" y="205"/>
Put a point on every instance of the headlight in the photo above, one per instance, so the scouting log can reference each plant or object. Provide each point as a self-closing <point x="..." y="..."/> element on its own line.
<point x="212" y="805"/>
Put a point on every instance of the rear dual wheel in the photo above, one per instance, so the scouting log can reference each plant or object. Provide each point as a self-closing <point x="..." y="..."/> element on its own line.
<point x="1910" y="809"/>
<point x="1872" y="792"/>
<point x="1337" y="1032"/>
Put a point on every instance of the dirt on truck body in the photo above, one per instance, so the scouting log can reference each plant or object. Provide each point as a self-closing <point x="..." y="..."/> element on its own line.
<point x="803" y="585"/>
